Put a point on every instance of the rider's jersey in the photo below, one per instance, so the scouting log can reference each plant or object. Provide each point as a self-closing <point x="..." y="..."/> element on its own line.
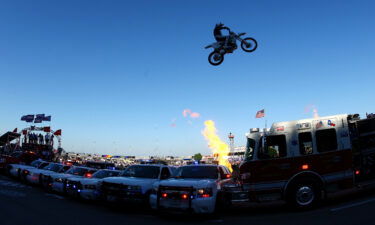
<point x="218" y="34"/>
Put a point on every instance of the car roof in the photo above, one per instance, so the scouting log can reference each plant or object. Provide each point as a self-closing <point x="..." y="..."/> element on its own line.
<point x="94" y="162"/>
<point x="109" y="170"/>
<point x="156" y="165"/>
<point x="203" y="165"/>
<point x="85" y="167"/>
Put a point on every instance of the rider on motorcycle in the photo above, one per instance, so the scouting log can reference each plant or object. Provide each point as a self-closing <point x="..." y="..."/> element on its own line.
<point x="219" y="35"/>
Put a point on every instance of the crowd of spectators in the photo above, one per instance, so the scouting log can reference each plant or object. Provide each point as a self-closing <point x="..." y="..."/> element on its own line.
<point x="34" y="138"/>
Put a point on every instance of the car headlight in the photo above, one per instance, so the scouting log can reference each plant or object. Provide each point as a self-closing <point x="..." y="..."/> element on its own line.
<point x="204" y="192"/>
<point x="90" y="186"/>
<point x="59" y="180"/>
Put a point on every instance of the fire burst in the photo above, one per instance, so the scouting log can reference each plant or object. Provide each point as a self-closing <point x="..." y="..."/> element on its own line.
<point x="217" y="146"/>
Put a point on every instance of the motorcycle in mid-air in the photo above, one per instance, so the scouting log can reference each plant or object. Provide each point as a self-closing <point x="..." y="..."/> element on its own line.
<point x="217" y="56"/>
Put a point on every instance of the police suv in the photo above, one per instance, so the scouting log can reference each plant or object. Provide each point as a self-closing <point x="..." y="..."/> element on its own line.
<point x="193" y="188"/>
<point x="135" y="183"/>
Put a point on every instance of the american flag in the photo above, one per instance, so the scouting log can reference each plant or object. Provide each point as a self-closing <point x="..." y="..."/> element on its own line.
<point x="260" y="114"/>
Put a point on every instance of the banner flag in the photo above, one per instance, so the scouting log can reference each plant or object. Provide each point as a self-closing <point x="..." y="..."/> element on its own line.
<point x="47" y="118"/>
<point x="58" y="132"/>
<point x="24" y="132"/>
<point x="28" y="118"/>
<point x="39" y="116"/>
<point x="15" y="130"/>
<point x="38" y="120"/>
<point x="47" y="129"/>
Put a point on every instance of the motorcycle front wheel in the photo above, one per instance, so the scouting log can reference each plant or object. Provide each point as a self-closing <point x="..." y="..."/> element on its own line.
<point x="249" y="44"/>
<point x="215" y="58"/>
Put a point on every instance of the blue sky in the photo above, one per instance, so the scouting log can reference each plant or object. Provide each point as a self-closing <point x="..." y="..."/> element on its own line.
<point x="114" y="74"/>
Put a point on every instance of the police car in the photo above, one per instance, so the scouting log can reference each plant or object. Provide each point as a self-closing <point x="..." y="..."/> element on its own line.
<point x="58" y="180"/>
<point x="15" y="170"/>
<point x="135" y="183"/>
<point x="36" y="175"/>
<point x="88" y="187"/>
<point x="193" y="188"/>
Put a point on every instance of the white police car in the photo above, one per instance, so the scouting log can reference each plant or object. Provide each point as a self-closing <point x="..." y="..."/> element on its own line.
<point x="193" y="188"/>
<point x="58" y="180"/>
<point x="87" y="187"/>
<point x="35" y="175"/>
<point x="15" y="170"/>
<point x="135" y="183"/>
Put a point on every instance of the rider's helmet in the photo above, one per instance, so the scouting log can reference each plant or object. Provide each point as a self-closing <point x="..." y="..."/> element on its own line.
<point x="219" y="25"/>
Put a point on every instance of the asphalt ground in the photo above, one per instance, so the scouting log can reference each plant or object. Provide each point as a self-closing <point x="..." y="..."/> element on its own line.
<point x="24" y="204"/>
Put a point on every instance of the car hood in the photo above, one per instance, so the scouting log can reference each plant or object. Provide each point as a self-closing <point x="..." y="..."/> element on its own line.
<point x="195" y="183"/>
<point x="84" y="180"/>
<point x="63" y="176"/>
<point x="21" y="166"/>
<point x="35" y="170"/>
<point x="48" y="172"/>
<point x="131" y="181"/>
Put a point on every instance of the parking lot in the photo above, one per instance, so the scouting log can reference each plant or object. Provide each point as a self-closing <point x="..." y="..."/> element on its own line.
<point x="23" y="204"/>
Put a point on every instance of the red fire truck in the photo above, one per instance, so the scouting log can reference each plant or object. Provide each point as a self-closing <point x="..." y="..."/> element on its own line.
<point x="304" y="161"/>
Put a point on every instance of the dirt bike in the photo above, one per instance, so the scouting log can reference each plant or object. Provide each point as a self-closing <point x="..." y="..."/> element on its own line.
<point x="217" y="56"/>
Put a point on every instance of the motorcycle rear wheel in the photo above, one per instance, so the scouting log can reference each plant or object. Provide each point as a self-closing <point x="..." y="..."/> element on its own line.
<point x="215" y="58"/>
<point x="249" y="44"/>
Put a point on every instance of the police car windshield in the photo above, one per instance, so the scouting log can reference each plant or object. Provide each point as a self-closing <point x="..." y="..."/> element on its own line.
<point x="36" y="163"/>
<point x="77" y="171"/>
<point x="105" y="173"/>
<point x="197" y="172"/>
<point x="142" y="172"/>
<point x="53" y="167"/>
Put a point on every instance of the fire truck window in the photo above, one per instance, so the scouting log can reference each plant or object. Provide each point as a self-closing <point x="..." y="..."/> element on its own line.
<point x="326" y="140"/>
<point x="305" y="143"/>
<point x="249" y="149"/>
<point x="275" y="147"/>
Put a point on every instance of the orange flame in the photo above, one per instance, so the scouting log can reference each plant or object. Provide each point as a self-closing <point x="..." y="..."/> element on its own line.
<point x="217" y="146"/>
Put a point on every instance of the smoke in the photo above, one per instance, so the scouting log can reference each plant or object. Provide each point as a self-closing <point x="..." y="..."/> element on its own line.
<point x="195" y="115"/>
<point x="191" y="114"/>
<point x="186" y="112"/>
<point x="312" y="108"/>
<point x="173" y="122"/>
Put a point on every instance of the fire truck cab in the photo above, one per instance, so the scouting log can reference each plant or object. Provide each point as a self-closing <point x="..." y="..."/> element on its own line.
<point x="303" y="161"/>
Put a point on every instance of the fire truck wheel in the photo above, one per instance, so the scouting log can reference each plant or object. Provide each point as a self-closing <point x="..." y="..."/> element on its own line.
<point x="304" y="193"/>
